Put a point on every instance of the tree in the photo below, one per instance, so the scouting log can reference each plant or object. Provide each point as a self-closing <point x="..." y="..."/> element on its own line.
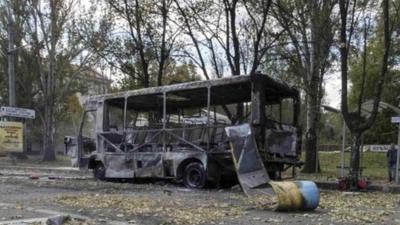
<point x="220" y="39"/>
<point x="56" y="55"/>
<point x="175" y="72"/>
<point x="12" y="19"/>
<point x="47" y="28"/>
<point x="354" y="120"/>
<point x="136" y="38"/>
<point x="309" y="31"/>
<point x="382" y="131"/>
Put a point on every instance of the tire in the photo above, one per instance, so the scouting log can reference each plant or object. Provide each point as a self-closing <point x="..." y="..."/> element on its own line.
<point x="99" y="172"/>
<point x="194" y="175"/>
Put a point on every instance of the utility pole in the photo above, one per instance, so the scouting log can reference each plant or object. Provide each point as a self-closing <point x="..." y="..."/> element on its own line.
<point x="396" y="120"/>
<point x="11" y="58"/>
<point x="398" y="154"/>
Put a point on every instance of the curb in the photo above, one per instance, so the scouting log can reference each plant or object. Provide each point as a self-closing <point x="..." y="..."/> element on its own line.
<point x="329" y="185"/>
<point x="32" y="169"/>
<point x="47" y="172"/>
<point x="41" y="176"/>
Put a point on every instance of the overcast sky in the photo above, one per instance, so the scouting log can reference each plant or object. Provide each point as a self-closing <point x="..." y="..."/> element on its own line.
<point x="332" y="81"/>
<point x="333" y="90"/>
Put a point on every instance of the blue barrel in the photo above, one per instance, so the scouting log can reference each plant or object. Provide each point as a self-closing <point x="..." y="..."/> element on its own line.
<point x="310" y="194"/>
<point x="295" y="195"/>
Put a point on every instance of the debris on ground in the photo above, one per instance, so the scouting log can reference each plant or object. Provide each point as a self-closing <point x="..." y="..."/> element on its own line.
<point x="146" y="203"/>
<point x="177" y="211"/>
<point x="263" y="202"/>
<point x="342" y="207"/>
<point x="359" y="207"/>
<point x="58" y="220"/>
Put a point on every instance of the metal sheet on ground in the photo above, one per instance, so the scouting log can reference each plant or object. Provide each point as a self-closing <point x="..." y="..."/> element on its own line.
<point x="250" y="169"/>
<point x="254" y="179"/>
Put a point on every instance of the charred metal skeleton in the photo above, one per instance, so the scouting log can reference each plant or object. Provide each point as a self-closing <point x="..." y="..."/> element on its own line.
<point x="178" y="131"/>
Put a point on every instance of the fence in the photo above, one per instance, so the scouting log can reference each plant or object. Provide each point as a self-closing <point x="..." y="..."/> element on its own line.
<point x="366" y="148"/>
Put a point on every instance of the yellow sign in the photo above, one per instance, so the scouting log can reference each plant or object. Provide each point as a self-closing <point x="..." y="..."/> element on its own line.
<point x="11" y="136"/>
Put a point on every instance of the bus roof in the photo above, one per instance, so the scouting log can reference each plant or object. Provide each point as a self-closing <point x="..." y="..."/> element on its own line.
<point x="225" y="90"/>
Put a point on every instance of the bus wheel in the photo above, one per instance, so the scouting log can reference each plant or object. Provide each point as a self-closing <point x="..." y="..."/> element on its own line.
<point x="99" y="172"/>
<point x="194" y="175"/>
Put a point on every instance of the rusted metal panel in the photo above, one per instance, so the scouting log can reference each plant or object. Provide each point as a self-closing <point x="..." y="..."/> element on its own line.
<point x="274" y="88"/>
<point x="174" y="87"/>
<point x="282" y="142"/>
<point x="148" y="164"/>
<point x="178" y="157"/>
<point x="158" y="151"/>
<point x="118" y="166"/>
<point x="71" y="149"/>
<point x="290" y="195"/>
<point x="257" y="104"/>
<point x="258" y="115"/>
<point x="250" y="169"/>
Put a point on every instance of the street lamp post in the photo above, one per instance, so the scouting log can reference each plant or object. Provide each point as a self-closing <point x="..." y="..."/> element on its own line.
<point x="398" y="154"/>
<point x="11" y="59"/>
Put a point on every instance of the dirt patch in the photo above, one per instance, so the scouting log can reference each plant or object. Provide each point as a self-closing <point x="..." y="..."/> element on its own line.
<point x="174" y="209"/>
<point x="165" y="203"/>
<point x="360" y="208"/>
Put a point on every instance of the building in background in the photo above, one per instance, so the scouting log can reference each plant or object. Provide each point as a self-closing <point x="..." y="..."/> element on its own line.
<point x="86" y="81"/>
<point x="95" y="82"/>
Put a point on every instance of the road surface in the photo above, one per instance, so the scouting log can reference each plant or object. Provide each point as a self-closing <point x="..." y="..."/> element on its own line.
<point x="23" y="199"/>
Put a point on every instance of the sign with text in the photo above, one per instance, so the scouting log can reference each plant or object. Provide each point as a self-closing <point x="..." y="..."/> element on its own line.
<point x="396" y="119"/>
<point x="11" y="136"/>
<point x="17" y="112"/>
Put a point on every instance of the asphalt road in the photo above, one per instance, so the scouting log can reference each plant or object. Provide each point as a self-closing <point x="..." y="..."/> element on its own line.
<point x="30" y="201"/>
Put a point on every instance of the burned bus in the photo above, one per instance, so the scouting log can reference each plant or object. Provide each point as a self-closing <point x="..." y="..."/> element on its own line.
<point x="178" y="131"/>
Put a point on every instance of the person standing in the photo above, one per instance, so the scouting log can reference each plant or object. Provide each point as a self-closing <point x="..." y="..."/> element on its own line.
<point x="391" y="156"/>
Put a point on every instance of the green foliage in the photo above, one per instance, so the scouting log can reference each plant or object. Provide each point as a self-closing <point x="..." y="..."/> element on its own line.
<point x="382" y="132"/>
<point x="173" y="73"/>
<point x="184" y="72"/>
<point x="374" y="163"/>
<point x="32" y="64"/>
<point x="330" y="128"/>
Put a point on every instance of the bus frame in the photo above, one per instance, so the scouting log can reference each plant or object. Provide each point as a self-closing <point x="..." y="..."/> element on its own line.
<point x="193" y="150"/>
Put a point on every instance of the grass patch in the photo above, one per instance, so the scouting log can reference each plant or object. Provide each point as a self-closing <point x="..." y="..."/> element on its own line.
<point x="374" y="164"/>
<point x="36" y="160"/>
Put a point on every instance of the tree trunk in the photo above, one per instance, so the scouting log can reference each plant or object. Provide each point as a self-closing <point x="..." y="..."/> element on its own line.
<point x="163" y="56"/>
<point x="355" y="159"/>
<point x="48" y="137"/>
<point x="311" y="139"/>
<point x="146" y="76"/>
<point x="353" y="120"/>
<point x="50" y="87"/>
